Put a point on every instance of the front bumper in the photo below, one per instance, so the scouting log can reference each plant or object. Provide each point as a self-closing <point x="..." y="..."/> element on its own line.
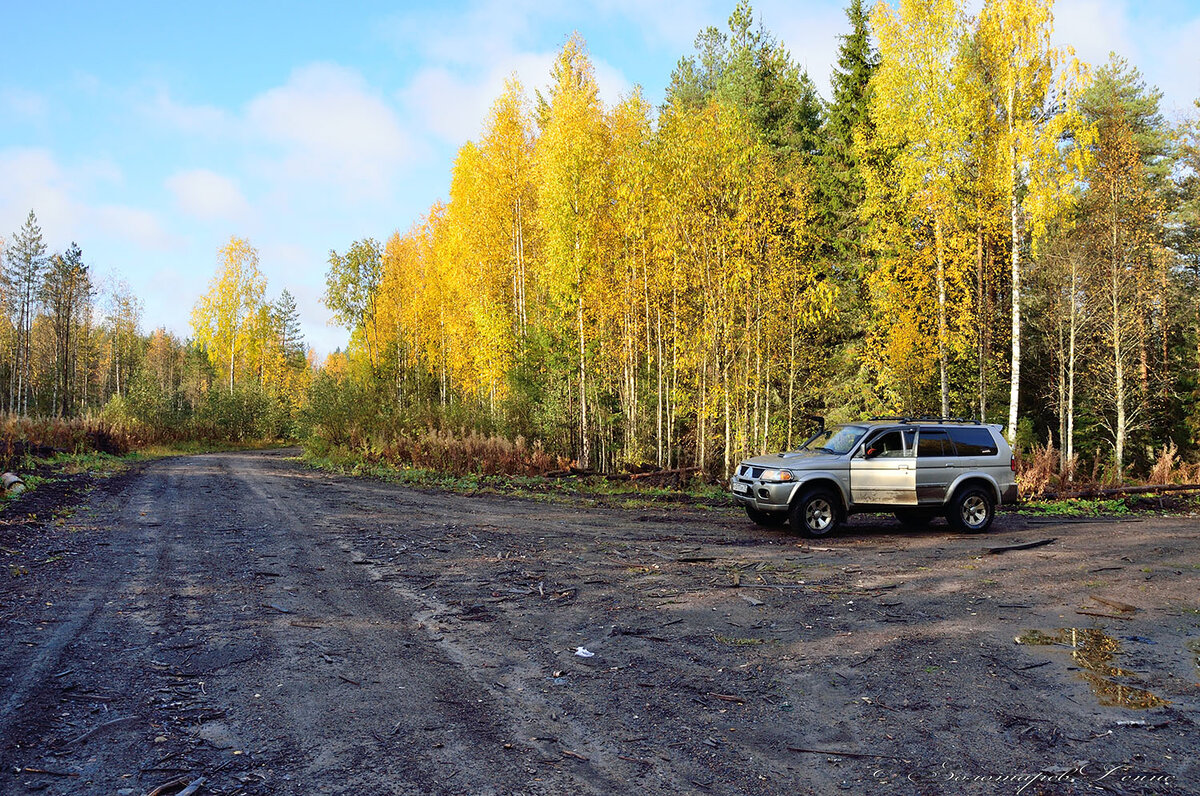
<point x="761" y="495"/>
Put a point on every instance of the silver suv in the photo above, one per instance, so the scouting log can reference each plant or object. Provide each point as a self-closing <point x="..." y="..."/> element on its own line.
<point x="917" y="468"/>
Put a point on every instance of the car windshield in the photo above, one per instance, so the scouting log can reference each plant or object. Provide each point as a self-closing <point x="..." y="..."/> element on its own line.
<point x="839" y="439"/>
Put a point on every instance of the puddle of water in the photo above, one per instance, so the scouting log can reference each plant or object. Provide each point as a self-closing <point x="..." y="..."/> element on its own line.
<point x="1094" y="650"/>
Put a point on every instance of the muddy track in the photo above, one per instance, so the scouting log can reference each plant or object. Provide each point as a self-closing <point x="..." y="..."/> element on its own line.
<point x="276" y="630"/>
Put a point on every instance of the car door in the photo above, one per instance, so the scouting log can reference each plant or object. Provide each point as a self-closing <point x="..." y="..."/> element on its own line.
<point x="935" y="465"/>
<point x="883" y="470"/>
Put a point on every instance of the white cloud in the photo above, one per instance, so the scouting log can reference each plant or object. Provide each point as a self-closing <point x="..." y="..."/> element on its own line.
<point x="811" y="36"/>
<point x="1158" y="40"/>
<point x="141" y="227"/>
<point x="485" y="32"/>
<point x="59" y="195"/>
<point x="23" y="103"/>
<point x="453" y="106"/>
<point x="207" y="195"/>
<point x="329" y="125"/>
<point x="1177" y="63"/>
<point x="468" y="58"/>
<point x="670" y="23"/>
<point x="1094" y="28"/>
<point x="193" y="119"/>
<point x="453" y="103"/>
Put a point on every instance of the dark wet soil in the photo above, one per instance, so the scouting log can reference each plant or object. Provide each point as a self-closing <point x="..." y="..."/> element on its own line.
<point x="239" y="618"/>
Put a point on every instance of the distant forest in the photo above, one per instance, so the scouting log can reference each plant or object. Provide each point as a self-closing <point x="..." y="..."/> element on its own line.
<point x="974" y="223"/>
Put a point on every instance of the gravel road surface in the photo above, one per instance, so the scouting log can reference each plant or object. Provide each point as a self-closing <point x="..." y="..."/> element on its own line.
<point x="276" y="630"/>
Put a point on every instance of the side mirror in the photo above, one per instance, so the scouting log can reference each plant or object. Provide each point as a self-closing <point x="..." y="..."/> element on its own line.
<point x="870" y="453"/>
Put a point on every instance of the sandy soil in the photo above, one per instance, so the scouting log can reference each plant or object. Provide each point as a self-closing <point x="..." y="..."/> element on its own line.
<point x="271" y="629"/>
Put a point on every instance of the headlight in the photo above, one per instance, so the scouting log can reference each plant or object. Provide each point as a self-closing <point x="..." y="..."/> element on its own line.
<point x="777" y="475"/>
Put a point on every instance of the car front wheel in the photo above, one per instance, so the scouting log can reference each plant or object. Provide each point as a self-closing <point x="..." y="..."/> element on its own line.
<point x="971" y="510"/>
<point x="816" y="513"/>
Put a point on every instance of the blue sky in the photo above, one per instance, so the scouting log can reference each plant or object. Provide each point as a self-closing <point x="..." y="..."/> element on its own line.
<point x="151" y="132"/>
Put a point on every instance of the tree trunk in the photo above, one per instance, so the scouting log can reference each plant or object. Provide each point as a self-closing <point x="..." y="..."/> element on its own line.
<point x="585" y="441"/>
<point x="980" y="290"/>
<point x="1014" y="391"/>
<point x="1069" y="438"/>
<point x="942" y="327"/>
<point x="1015" y="379"/>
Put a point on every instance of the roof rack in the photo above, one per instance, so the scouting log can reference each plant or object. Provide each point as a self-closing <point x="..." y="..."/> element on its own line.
<point x="928" y="420"/>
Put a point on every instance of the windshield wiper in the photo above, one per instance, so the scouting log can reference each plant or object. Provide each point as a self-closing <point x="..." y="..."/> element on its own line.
<point x="827" y="450"/>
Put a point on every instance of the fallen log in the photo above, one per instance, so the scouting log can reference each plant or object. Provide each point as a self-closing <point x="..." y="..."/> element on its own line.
<point x="1153" y="489"/>
<point x="570" y="472"/>
<point x="679" y="471"/>
<point x="1026" y="546"/>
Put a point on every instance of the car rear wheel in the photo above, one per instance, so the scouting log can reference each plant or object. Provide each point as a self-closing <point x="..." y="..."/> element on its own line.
<point x="816" y="513"/>
<point x="767" y="519"/>
<point x="971" y="510"/>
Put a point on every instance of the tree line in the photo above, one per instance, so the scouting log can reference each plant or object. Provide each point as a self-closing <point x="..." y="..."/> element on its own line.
<point x="71" y="348"/>
<point x="974" y="224"/>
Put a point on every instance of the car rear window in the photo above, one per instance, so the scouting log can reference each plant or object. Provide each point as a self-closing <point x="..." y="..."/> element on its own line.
<point x="972" y="441"/>
<point x="933" y="442"/>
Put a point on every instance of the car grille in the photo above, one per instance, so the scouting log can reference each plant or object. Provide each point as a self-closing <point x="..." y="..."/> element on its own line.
<point x="746" y="471"/>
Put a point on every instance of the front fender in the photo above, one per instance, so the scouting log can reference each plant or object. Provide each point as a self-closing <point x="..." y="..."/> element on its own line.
<point x="837" y="481"/>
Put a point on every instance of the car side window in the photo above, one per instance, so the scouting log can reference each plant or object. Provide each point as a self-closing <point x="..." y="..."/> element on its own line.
<point x="973" y="441"/>
<point x="894" y="444"/>
<point x="934" y="442"/>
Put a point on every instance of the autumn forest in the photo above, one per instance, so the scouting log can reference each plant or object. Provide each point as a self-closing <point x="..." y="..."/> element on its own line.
<point x="973" y="224"/>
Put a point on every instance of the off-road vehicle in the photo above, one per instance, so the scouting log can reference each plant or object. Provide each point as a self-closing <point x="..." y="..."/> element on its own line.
<point x="917" y="468"/>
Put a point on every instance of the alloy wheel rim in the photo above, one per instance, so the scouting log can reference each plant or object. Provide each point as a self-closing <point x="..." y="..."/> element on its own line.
<point x="974" y="511"/>
<point x="819" y="515"/>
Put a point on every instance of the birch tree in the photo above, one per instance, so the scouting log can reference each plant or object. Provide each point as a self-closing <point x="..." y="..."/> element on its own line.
<point x="1032" y="117"/>
<point x="916" y="110"/>
<point x="572" y="156"/>
<point x="222" y="317"/>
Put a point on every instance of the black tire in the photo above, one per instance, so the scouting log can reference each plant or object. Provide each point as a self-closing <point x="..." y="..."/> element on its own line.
<point x="816" y="513"/>
<point x="767" y="519"/>
<point x="915" y="518"/>
<point x="971" y="510"/>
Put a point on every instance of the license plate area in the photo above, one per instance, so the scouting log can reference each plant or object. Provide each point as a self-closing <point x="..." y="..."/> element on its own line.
<point x="741" y="489"/>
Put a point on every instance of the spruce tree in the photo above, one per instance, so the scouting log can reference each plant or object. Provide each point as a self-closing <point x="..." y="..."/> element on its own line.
<point x="23" y="269"/>
<point x="840" y="188"/>
<point x="287" y="322"/>
<point x="750" y="70"/>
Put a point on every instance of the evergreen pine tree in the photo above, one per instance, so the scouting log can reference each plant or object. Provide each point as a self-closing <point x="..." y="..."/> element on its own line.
<point x="750" y="70"/>
<point x="840" y="187"/>
<point x="24" y="265"/>
<point x="287" y="321"/>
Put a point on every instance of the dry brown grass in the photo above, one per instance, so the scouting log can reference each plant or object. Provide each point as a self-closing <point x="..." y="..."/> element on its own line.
<point x="23" y="436"/>
<point x="1043" y="470"/>
<point x="1039" y="471"/>
<point x="466" y="453"/>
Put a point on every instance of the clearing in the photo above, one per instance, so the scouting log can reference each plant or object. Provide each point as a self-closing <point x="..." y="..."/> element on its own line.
<point x="272" y="629"/>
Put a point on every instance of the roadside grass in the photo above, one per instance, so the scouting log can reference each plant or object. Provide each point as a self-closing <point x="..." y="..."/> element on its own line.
<point x="630" y="494"/>
<point x="1074" y="507"/>
<point x="591" y="490"/>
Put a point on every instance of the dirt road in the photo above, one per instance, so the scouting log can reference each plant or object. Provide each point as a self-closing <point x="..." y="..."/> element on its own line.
<point x="272" y="629"/>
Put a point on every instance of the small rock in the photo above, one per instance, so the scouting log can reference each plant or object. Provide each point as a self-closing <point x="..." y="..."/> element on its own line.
<point x="218" y="734"/>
